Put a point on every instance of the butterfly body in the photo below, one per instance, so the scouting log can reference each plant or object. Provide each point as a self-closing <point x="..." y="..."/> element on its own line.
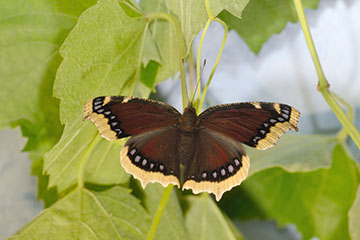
<point x="208" y="147"/>
<point x="187" y="129"/>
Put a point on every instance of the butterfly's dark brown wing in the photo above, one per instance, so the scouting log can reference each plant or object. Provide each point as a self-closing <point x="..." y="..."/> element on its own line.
<point x="219" y="163"/>
<point x="256" y="124"/>
<point x="118" y="117"/>
<point x="151" y="156"/>
<point x="149" y="153"/>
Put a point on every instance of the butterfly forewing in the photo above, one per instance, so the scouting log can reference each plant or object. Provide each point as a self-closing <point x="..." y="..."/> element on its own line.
<point x="219" y="163"/>
<point x="149" y="154"/>
<point x="255" y="124"/>
<point x="118" y="117"/>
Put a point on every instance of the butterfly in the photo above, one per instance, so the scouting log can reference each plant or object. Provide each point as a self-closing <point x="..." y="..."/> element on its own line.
<point x="203" y="152"/>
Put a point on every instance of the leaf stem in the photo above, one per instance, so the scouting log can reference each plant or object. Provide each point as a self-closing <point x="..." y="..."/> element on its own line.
<point x="159" y="212"/>
<point x="181" y="47"/>
<point x="342" y="134"/>
<point x="198" y="58"/>
<point x="305" y="27"/>
<point x="208" y="10"/>
<point x="191" y="73"/>
<point x="84" y="159"/>
<point x="210" y="19"/>
<point x="207" y="25"/>
<point x="141" y="51"/>
<point x="343" y="118"/>
<point x="323" y="85"/>
<point x="216" y="63"/>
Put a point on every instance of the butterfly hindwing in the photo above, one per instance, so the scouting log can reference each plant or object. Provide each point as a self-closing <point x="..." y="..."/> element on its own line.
<point x="256" y="124"/>
<point x="118" y="117"/>
<point x="150" y="157"/>
<point x="219" y="163"/>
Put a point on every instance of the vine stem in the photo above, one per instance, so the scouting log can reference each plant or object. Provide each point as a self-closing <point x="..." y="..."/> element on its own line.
<point x="198" y="58"/>
<point x="216" y="63"/>
<point x="323" y="85"/>
<point x="159" y="212"/>
<point x="211" y="18"/>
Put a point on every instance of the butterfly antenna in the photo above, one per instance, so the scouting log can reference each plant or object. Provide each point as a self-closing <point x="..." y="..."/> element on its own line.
<point x="198" y="82"/>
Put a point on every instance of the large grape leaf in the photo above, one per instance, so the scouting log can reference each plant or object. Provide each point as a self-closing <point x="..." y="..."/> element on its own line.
<point x="31" y="33"/>
<point x="172" y="223"/>
<point x="204" y="220"/>
<point x="101" y="56"/>
<point x="84" y="214"/>
<point x="354" y="217"/>
<point x="261" y="19"/>
<point x="295" y="153"/>
<point x="316" y="202"/>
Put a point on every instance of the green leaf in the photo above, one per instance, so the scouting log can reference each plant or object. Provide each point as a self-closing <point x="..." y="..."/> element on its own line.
<point x="104" y="164"/>
<point x="84" y="214"/>
<point x="261" y="19"/>
<point x="42" y="135"/>
<point x="295" y="153"/>
<point x="48" y="195"/>
<point x="204" y="220"/>
<point x="148" y="74"/>
<point x="31" y="33"/>
<point x="101" y="55"/>
<point x="130" y="8"/>
<point x="317" y="202"/>
<point x="354" y="217"/>
<point x="172" y="223"/>
<point x="192" y="16"/>
<point x="234" y="7"/>
<point x="239" y="204"/>
<point x="162" y="34"/>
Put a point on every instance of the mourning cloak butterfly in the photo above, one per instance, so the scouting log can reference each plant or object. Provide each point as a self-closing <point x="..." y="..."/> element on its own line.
<point x="208" y="147"/>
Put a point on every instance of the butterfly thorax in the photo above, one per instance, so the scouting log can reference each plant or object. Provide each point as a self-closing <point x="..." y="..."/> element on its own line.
<point x="188" y="120"/>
